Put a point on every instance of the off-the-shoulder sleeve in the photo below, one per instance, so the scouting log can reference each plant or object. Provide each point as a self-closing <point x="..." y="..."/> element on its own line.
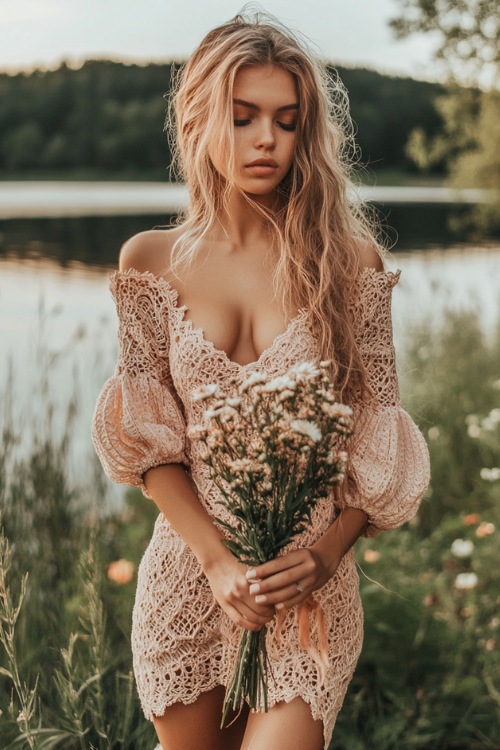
<point x="389" y="457"/>
<point x="138" y="421"/>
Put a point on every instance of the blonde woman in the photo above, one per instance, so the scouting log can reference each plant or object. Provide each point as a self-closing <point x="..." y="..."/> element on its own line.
<point x="272" y="265"/>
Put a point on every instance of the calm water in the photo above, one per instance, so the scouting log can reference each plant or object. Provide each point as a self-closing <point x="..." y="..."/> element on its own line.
<point x="56" y="313"/>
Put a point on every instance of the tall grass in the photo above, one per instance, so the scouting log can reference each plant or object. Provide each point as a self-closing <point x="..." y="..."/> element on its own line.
<point x="429" y="675"/>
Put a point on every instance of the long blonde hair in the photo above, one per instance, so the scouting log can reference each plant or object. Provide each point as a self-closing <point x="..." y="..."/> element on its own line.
<point x="318" y="260"/>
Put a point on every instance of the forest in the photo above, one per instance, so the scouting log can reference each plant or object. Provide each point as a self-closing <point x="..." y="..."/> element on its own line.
<point x="106" y="120"/>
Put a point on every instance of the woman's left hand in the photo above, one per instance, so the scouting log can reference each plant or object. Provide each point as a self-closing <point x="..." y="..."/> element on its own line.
<point x="289" y="579"/>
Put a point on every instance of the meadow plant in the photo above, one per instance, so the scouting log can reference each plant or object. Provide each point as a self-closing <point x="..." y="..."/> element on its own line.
<point x="429" y="674"/>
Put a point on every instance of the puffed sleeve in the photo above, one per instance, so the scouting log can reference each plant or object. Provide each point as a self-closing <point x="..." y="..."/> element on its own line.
<point x="138" y="422"/>
<point x="389" y="458"/>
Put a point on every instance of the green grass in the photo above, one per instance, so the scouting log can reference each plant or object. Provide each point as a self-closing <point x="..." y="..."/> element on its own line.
<point x="429" y="674"/>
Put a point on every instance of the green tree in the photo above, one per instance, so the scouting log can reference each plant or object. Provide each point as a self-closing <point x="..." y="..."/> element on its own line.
<point x="468" y="43"/>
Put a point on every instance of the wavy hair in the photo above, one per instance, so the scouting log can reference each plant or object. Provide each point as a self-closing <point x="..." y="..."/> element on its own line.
<point x="318" y="261"/>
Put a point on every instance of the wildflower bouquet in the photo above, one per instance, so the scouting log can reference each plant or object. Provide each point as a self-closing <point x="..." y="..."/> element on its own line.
<point x="274" y="450"/>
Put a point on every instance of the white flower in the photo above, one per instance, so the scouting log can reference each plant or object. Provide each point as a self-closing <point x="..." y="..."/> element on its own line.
<point x="488" y="424"/>
<point x="496" y="385"/>
<point x="305" y="370"/>
<point x="341" y="411"/>
<point x="494" y="415"/>
<point x="304" y="427"/>
<point x="490" y="475"/>
<point x="466" y="581"/>
<point x="203" y="392"/>
<point x="471" y="419"/>
<point x="462" y="548"/>
<point x="474" y="431"/>
<point x="254" y="379"/>
<point x="433" y="433"/>
<point x="281" y="383"/>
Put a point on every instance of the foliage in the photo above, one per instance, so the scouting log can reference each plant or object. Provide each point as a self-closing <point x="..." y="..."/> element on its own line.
<point x="429" y="674"/>
<point x="467" y="31"/>
<point x="469" y="42"/>
<point x="106" y="119"/>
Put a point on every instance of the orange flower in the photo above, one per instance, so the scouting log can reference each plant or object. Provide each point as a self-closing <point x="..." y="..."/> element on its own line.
<point x="471" y="519"/>
<point x="121" y="571"/>
<point x="485" y="529"/>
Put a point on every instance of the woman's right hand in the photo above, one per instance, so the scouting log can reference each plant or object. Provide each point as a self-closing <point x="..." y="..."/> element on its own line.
<point x="229" y="585"/>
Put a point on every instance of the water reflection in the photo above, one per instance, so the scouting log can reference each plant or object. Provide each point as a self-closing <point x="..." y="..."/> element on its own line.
<point x="56" y="310"/>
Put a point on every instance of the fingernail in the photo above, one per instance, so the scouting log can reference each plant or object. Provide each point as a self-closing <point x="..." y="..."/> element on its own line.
<point x="254" y="588"/>
<point x="251" y="573"/>
<point x="260" y="599"/>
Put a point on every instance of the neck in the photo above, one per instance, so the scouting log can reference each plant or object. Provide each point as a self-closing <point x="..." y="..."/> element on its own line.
<point x="242" y="224"/>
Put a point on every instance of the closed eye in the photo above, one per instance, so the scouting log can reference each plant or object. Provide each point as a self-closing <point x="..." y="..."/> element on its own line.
<point x="289" y="127"/>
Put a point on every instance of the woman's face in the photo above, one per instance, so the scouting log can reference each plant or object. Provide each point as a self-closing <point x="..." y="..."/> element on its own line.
<point x="265" y="114"/>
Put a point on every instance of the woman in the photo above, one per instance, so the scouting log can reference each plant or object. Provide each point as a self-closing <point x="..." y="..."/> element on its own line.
<point x="272" y="265"/>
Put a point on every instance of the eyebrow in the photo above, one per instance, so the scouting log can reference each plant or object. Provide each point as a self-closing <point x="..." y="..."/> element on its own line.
<point x="251" y="105"/>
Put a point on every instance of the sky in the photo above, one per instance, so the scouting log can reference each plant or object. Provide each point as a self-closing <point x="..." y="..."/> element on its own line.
<point x="41" y="33"/>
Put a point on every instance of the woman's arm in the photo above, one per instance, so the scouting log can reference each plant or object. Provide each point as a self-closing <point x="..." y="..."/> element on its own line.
<point x="310" y="566"/>
<point x="168" y="485"/>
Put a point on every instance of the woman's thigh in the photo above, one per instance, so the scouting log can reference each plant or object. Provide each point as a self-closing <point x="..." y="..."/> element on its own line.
<point x="286" y="726"/>
<point x="197" y="725"/>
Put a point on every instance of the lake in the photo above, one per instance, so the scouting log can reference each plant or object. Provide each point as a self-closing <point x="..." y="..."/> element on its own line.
<point x="56" y="314"/>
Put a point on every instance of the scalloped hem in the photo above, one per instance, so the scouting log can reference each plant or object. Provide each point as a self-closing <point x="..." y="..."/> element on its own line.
<point x="159" y="709"/>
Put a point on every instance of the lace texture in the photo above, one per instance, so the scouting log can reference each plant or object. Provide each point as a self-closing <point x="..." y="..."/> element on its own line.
<point x="183" y="643"/>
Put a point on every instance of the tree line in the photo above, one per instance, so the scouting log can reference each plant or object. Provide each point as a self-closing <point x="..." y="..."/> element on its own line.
<point x="108" y="118"/>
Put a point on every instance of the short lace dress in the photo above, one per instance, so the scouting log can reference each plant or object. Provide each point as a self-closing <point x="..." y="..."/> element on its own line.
<point x="183" y="643"/>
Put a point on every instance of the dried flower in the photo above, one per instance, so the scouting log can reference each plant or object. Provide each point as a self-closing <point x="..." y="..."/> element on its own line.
<point x="303" y="427"/>
<point x="121" y="571"/>
<point x="204" y="391"/>
<point x="275" y="448"/>
<point x="466" y="581"/>
<point x="462" y="548"/>
<point x="485" y="529"/>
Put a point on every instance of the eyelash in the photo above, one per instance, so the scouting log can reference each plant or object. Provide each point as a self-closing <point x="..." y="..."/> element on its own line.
<point x="282" y="125"/>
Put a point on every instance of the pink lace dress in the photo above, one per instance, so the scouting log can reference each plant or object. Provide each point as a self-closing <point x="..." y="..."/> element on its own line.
<point x="183" y="643"/>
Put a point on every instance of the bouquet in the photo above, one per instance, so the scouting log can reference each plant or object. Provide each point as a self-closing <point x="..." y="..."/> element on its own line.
<point x="274" y="450"/>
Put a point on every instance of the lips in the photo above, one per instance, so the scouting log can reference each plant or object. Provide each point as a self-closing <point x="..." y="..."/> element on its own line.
<point x="262" y="163"/>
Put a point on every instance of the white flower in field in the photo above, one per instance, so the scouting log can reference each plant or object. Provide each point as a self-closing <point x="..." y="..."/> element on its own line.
<point x="471" y="419"/>
<point x="490" y="475"/>
<point x="204" y="391"/>
<point x="304" y="427"/>
<point x="474" y="431"/>
<point x="488" y="424"/>
<point x="496" y="385"/>
<point x="466" y="581"/>
<point x="494" y="415"/>
<point x="462" y="548"/>
<point x="433" y="433"/>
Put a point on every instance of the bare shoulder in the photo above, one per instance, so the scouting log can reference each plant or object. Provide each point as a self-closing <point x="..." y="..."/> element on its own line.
<point x="148" y="251"/>
<point x="369" y="255"/>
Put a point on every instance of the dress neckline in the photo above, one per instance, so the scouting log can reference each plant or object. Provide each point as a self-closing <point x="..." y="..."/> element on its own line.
<point x="187" y="323"/>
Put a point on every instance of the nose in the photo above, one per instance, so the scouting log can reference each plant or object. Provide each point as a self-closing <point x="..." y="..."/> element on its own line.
<point x="265" y="134"/>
